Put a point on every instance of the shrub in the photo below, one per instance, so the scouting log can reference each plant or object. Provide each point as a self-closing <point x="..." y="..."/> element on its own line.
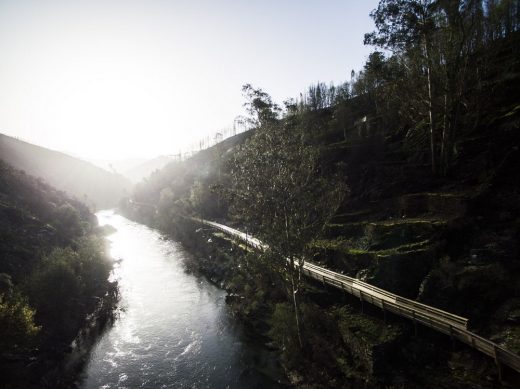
<point x="16" y="323"/>
<point x="63" y="288"/>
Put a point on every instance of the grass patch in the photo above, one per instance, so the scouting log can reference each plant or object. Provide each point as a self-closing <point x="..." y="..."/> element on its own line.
<point x="343" y="246"/>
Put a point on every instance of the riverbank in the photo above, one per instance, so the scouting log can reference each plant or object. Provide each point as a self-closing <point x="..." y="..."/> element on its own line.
<point x="268" y="320"/>
<point x="67" y="369"/>
<point x="53" y="278"/>
<point x="359" y="339"/>
<point x="219" y="259"/>
<point x="60" y="366"/>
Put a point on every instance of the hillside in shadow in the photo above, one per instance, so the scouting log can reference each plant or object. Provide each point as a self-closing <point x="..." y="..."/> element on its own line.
<point x="88" y="183"/>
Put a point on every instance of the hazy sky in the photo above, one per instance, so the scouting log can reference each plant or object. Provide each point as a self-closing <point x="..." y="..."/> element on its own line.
<point x="119" y="79"/>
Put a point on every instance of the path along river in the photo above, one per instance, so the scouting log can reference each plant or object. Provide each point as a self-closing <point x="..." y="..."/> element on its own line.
<point x="174" y="330"/>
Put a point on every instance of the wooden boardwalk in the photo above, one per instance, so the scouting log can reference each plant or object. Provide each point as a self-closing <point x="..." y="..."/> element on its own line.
<point x="447" y="323"/>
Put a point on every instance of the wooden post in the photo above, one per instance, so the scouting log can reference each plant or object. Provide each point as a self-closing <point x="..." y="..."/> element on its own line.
<point x="452" y="338"/>
<point x="414" y="322"/>
<point x="497" y="361"/>
<point x="384" y="310"/>
<point x="361" y="299"/>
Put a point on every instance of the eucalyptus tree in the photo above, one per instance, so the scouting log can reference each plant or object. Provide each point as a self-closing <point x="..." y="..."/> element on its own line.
<point x="260" y="106"/>
<point x="441" y="42"/>
<point x="406" y="26"/>
<point x="281" y="194"/>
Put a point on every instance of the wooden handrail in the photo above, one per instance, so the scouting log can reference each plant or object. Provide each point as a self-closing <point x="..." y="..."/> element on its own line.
<point x="435" y="318"/>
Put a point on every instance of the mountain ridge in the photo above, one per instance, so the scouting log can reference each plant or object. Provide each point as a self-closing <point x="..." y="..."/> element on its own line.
<point x="87" y="182"/>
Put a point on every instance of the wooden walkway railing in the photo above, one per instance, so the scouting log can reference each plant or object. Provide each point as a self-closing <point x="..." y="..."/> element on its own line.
<point x="447" y="323"/>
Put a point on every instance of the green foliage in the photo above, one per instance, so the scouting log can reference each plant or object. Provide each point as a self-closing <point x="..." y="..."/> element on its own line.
<point x="67" y="218"/>
<point x="62" y="288"/>
<point x="202" y="200"/>
<point x="52" y="275"/>
<point x="55" y="290"/>
<point x="324" y="360"/>
<point x="16" y="323"/>
<point x="257" y="284"/>
<point x="95" y="266"/>
<point x="260" y="106"/>
<point x="283" y="328"/>
<point x="400" y="23"/>
<point x="440" y="64"/>
<point x="279" y="191"/>
<point x="320" y="96"/>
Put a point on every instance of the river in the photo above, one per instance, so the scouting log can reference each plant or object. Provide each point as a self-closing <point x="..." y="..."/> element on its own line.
<point x="174" y="329"/>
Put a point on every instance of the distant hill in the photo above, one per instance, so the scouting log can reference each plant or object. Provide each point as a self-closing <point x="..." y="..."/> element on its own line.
<point x="89" y="183"/>
<point x="119" y="166"/>
<point x="137" y="173"/>
<point x="135" y="169"/>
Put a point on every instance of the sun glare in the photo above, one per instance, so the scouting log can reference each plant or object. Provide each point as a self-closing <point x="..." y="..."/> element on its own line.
<point x="105" y="86"/>
<point x="119" y="79"/>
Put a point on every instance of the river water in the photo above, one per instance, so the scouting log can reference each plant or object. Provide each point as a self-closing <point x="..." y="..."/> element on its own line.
<point x="174" y="330"/>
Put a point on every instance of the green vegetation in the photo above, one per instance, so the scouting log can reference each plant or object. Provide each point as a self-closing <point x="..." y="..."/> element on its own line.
<point x="443" y="55"/>
<point x="17" y="324"/>
<point x="66" y="284"/>
<point x="344" y="246"/>
<point x="53" y="274"/>
<point x="280" y="191"/>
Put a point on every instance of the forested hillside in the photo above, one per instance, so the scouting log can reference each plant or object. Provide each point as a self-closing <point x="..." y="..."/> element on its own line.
<point x="53" y="274"/>
<point x="405" y="177"/>
<point x="144" y="169"/>
<point x="88" y="183"/>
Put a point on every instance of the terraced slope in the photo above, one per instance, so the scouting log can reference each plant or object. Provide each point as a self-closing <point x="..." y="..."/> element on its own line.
<point x="394" y="253"/>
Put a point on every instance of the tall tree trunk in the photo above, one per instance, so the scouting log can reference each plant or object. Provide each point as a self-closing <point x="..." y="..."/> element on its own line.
<point x="294" y="287"/>
<point x="430" y="108"/>
<point x="443" y="156"/>
<point x="295" y="304"/>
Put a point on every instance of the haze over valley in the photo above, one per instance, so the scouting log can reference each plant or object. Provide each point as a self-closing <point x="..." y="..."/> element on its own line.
<point x="260" y="194"/>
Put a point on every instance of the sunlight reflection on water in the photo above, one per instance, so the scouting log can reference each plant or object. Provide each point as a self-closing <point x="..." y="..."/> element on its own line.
<point x="174" y="329"/>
